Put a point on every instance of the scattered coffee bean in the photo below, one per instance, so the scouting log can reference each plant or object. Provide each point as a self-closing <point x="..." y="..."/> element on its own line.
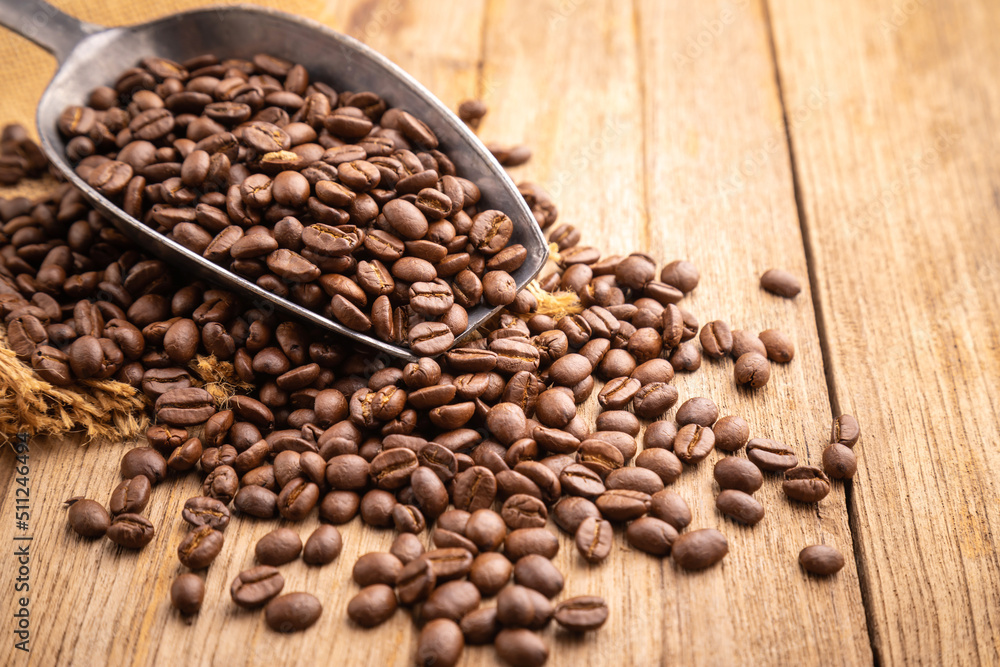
<point x="441" y="643"/>
<point x="257" y="586"/>
<point x="806" y="484"/>
<point x="292" y="612"/>
<point x="280" y="546"/>
<point x="845" y="431"/>
<point x="88" y="518"/>
<point x="821" y="560"/>
<point x="582" y="613"/>
<point x="781" y="283"/>
<point x="699" y="549"/>
<point x="740" y="506"/>
<point x="839" y="461"/>
<point x="372" y="606"/>
<point x="187" y="593"/>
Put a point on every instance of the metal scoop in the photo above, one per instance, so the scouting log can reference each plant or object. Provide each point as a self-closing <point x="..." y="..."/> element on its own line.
<point x="90" y="55"/>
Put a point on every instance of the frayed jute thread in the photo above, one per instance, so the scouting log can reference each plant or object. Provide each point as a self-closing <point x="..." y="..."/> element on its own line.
<point x="94" y="408"/>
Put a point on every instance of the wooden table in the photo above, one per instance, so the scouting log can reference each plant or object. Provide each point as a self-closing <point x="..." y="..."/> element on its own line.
<point x="853" y="143"/>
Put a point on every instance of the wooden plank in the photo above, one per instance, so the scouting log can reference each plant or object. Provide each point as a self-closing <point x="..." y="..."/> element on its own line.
<point x="93" y="603"/>
<point x="899" y="188"/>
<point x="650" y="137"/>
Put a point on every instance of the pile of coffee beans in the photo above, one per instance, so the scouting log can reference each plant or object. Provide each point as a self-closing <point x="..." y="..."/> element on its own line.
<point x="465" y="456"/>
<point x="331" y="199"/>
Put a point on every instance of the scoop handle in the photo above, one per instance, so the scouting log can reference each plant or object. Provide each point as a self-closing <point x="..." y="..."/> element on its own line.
<point x="48" y="27"/>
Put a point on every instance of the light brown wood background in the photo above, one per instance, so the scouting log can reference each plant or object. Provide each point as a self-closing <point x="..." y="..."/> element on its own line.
<point x="852" y="143"/>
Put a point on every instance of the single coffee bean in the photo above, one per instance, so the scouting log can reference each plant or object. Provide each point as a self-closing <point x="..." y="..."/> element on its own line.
<point x="538" y="573"/>
<point x="731" y="433"/>
<point x="480" y="626"/>
<point x="339" y="507"/>
<point x="660" y="435"/>
<point x="521" y="647"/>
<point x="699" y="549"/>
<point x="221" y="484"/>
<point x="187" y="593"/>
<point x="681" y="274"/>
<point x="486" y="529"/>
<point x="686" y="358"/>
<point x="524" y="541"/>
<point x="376" y="567"/>
<point x="745" y="342"/>
<point x="752" y="370"/>
<point x="292" y="612"/>
<point x="780" y="282"/>
<point x="199" y="547"/>
<point x="593" y="539"/>
<point x="406" y="547"/>
<point x="651" y="535"/>
<point x="521" y="510"/>
<point x="280" y="546"/>
<point x="771" y="455"/>
<point x="582" y="613"/>
<point x="257" y="586"/>
<point x="662" y="462"/>
<point x="297" y="499"/>
<point x="806" y="484"/>
<point x="415" y="581"/>
<point x="653" y="399"/>
<point x="716" y="339"/>
<point x="88" y="518"/>
<point x="522" y="607"/>
<point x="376" y="508"/>
<point x="323" y="546"/>
<point x="372" y="606"/>
<point x="693" y="443"/>
<point x="779" y="347"/>
<point x="740" y="506"/>
<point x="839" y="461"/>
<point x="131" y="496"/>
<point x="670" y="507"/>
<point x="736" y="473"/>
<point x="205" y="511"/>
<point x="570" y="512"/>
<point x="257" y="501"/>
<point x="474" y="489"/>
<point x="618" y="420"/>
<point x="132" y="531"/>
<point x="635" y="478"/>
<point x="144" y="461"/>
<point x="845" y="431"/>
<point x="440" y="644"/>
<point x="701" y="411"/>
<point x="821" y="560"/>
<point x="451" y="600"/>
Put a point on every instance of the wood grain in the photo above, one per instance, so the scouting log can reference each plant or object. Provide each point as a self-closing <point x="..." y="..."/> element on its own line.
<point x="898" y="176"/>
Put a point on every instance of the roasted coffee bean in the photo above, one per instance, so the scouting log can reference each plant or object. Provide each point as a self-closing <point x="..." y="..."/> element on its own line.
<point x="521" y="647"/>
<point x="292" y="612"/>
<point x="839" y="461"/>
<point x="821" y="560"/>
<point x="480" y="626"/>
<point x="256" y="501"/>
<point x="780" y="282"/>
<point x="806" y="484"/>
<point x="186" y="456"/>
<point x="205" y="511"/>
<point x="524" y="541"/>
<point x="131" y="496"/>
<point x="376" y="508"/>
<point x="716" y="339"/>
<point x="474" y="489"/>
<point x="376" y="567"/>
<point x="392" y="468"/>
<point x="451" y="600"/>
<point x="779" y="347"/>
<point x="745" y="342"/>
<point x="339" y="507"/>
<point x="486" y="529"/>
<point x="686" y="357"/>
<point x="185" y="407"/>
<point x="651" y="535"/>
<point x="520" y="606"/>
<point x="132" y="531"/>
<point x="693" y="443"/>
<point x="736" y="473"/>
<point x="88" y="518"/>
<point x="408" y="519"/>
<point x="700" y="411"/>
<point x="256" y="586"/>
<point x="618" y="420"/>
<point x="406" y="547"/>
<point x="415" y="581"/>
<point x="581" y="613"/>
<point x="372" y="606"/>
<point x="280" y="546"/>
<point x="538" y="573"/>
<point x="681" y="274"/>
<point x="623" y="505"/>
<point x="524" y="511"/>
<point x="593" y="539"/>
<point x="199" y="547"/>
<point x="144" y="461"/>
<point x="670" y="507"/>
<point x="221" y="484"/>
<point x="660" y="435"/>
<point x="771" y="455"/>
<point x="571" y="511"/>
<point x="187" y="593"/>
<point x="618" y="392"/>
<point x="653" y="399"/>
<point x="740" y="506"/>
<point x="441" y="643"/>
<point x="663" y="463"/>
<point x="699" y="549"/>
<point x="731" y="433"/>
<point x="323" y="546"/>
<point x="845" y="431"/>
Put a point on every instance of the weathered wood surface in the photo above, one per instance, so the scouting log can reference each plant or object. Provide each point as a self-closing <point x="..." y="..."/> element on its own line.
<point x="898" y="175"/>
<point x="661" y="126"/>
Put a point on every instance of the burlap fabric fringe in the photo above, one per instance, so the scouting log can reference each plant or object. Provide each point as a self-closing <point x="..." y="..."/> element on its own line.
<point x="97" y="409"/>
<point x="94" y="408"/>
